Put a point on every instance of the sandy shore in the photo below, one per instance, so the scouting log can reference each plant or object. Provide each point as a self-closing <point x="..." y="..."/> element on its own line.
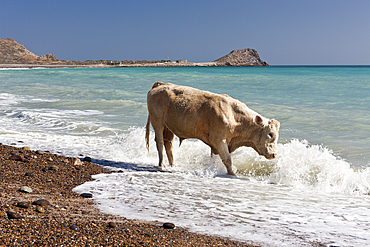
<point x="167" y="64"/>
<point x="32" y="66"/>
<point x="68" y="219"/>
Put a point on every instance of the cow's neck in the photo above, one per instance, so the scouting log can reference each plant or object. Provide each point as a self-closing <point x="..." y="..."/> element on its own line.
<point x="245" y="133"/>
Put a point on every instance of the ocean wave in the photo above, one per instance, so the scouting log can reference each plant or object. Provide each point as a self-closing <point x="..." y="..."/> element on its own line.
<point x="298" y="164"/>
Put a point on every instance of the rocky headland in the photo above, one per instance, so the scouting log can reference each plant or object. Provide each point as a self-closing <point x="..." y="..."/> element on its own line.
<point x="14" y="54"/>
<point x="243" y="57"/>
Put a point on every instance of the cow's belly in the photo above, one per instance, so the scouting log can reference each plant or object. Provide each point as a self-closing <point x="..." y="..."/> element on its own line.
<point x="190" y="130"/>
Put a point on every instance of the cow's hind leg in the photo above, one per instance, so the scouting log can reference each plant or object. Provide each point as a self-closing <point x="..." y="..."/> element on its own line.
<point x="159" y="142"/>
<point x="168" y="137"/>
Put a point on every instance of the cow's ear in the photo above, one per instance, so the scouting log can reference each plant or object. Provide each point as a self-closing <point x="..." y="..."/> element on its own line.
<point x="275" y="122"/>
<point x="259" y="120"/>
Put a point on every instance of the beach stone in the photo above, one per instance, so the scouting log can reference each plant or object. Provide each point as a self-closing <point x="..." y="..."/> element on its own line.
<point x="53" y="168"/>
<point x="13" y="215"/>
<point x="28" y="174"/>
<point x="23" y="204"/>
<point x="26" y="148"/>
<point x="39" y="152"/>
<point x="25" y="189"/>
<point x="86" y="195"/>
<point x="168" y="226"/>
<point x="50" y="159"/>
<point x="73" y="227"/>
<point x="41" y="202"/>
<point x="16" y="157"/>
<point x="74" y="161"/>
<point x="88" y="159"/>
<point x="112" y="225"/>
<point x="40" y="209"/>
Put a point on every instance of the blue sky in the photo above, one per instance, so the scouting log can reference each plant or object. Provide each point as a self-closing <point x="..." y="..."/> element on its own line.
<point x="295" y="32"/>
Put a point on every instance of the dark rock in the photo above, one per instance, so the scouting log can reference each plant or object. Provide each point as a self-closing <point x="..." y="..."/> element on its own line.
<point x="41" y="202"/>
<point x="86" y="195"/>
<point x="40" y="209"/>
<point x="16" y="157"/>
<point x="28" y="174"/>
<point x="13" y="215"/>
<point x="73" y="227"/>
<point x="23" y="204"/>
<point x="53" y="168"/>
<point x="112" y="225"/>
<point x="168" y="226"/>
<point x="149" y="234"/>
<point x="88" y="159"/>
<point x="25" y="189"/>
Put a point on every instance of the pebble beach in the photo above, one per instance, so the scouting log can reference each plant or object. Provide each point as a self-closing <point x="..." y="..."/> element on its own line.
<point x="39" y="208"/>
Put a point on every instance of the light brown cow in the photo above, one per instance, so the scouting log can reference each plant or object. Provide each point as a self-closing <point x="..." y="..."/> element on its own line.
<point x="218" y="120"/>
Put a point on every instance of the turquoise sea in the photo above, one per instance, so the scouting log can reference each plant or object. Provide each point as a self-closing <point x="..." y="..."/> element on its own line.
<point x="317" y="189"/>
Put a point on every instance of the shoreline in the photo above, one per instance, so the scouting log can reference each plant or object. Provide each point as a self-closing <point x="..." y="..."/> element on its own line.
<point x="165" y="65"/>
<point x="70" y="219"/>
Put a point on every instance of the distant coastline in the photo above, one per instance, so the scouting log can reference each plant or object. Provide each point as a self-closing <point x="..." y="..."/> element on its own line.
<point x="107" y="65"/>
<point x="15" y="55"/>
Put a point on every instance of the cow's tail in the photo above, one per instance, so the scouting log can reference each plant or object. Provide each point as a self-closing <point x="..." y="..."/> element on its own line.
<point x="147" y="132"/>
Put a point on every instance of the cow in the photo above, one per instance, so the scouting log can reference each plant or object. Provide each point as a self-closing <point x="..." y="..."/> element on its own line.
<point x="221" y="122"/>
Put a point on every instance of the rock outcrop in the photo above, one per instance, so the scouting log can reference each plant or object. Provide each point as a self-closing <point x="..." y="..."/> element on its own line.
<point x="13" y="52"/>
<point x="243" y="57"/>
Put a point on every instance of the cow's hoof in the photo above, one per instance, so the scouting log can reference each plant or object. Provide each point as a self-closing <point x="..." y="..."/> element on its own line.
<point x="231" y="174"/>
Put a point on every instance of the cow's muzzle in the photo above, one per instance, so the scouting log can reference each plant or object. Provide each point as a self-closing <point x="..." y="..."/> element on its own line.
<point x="271" y="156"/>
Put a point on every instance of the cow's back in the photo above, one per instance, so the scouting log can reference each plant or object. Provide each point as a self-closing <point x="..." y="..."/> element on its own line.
<point x="189" y="112"/>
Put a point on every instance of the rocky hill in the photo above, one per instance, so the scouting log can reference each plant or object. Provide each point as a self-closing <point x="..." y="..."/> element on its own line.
<point x="13" y="52"/>
<point x="243" y="57"/>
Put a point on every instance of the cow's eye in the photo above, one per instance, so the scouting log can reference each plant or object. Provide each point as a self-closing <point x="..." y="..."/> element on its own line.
<point x="271" y="135"/>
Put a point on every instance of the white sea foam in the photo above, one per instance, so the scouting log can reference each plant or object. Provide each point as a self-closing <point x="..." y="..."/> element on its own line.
<point x="305" y="194"/>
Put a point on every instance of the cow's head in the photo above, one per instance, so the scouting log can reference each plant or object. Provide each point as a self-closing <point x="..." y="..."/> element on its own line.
<point x="265" y="142"/>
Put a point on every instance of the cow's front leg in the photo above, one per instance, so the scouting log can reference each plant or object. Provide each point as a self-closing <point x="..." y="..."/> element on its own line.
<point x="223" y="151"/>
<point x="168" y="141"/>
